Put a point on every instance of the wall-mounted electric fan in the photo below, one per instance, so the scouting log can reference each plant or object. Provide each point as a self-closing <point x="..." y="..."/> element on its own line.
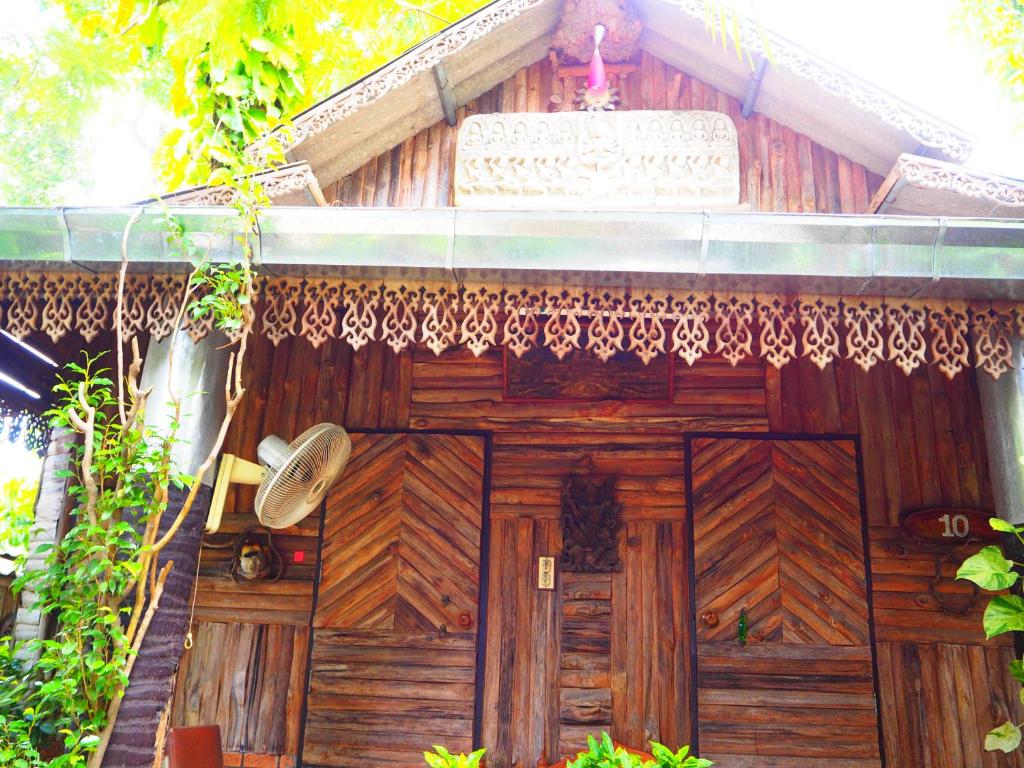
<point x="293" y="478"/>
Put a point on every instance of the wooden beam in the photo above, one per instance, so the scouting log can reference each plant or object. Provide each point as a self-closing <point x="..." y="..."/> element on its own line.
<point x="754" y="88"/>
<point x="445" y="94"/>
<point x="582" y="70"/>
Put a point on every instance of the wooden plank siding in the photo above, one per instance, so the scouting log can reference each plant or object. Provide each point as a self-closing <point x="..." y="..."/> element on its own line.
<point x="248" y="679"/>
<point x="778" y="534"/>
<point x="394" y="648"/>
<point x="780" y="170"/>
<point x="543" y="686"/>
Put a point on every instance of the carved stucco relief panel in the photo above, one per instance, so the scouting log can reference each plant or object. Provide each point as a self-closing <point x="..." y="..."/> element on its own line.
<point x="588" y="161"/>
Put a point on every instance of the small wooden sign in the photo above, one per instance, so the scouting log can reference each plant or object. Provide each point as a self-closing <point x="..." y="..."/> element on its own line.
<point x="948" y="525"/>
<point x="545" y="573"/>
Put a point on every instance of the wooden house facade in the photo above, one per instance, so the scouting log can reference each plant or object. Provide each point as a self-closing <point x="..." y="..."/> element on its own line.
<point x="758" y="439"/>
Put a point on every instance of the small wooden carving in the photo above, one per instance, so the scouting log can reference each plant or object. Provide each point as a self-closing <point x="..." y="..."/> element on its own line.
<point x="582" y="377"/>
<point x="590" y="526"/>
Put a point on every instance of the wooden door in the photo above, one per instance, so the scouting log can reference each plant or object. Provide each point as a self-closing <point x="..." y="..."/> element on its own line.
<point x="393" y="665"/>
<point x="778" y="538"/>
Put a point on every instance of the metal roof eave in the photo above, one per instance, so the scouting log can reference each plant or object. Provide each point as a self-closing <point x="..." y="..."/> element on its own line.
<point x="701" y="250"/>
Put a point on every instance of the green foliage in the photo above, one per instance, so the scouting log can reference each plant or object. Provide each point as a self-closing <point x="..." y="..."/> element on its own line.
<point x="19" y="727"/>
<point x="50" y="83"/>
<point x="742" y="629"/>
<point x="996" y="27"/>
<point x="1004" y="613"/>
<point x="89" y="575"/>
<point x="666" y="758"/>
<point x="228" y="71"/>
<point x="17" y="513"/>
<point x="442" y="758"/>
<point x="604" y="754"/>
<point x="1005" y="738"/>
<point x="991" y="570"/>
<point x="95" y="580"/>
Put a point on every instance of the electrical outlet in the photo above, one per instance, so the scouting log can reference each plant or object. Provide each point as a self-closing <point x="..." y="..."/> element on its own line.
<point x="545" y="573"/>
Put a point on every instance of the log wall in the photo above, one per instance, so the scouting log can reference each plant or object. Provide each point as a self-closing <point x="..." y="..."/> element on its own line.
<point x="780" y="170"/>
<point x="618" y="651"/>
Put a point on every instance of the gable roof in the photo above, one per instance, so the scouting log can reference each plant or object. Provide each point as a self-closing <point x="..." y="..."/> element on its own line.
<point x="832" y="106"/>
<point x="921" y="185"/>
<point x="291" y="184"/>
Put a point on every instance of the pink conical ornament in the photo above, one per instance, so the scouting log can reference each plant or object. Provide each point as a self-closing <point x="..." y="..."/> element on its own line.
<point x="596" y="79"/>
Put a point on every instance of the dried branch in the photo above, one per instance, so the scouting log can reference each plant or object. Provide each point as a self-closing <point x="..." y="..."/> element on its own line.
<point x="119" y="312"/>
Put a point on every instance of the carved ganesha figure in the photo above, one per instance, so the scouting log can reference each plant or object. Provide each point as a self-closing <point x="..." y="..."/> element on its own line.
<point x="590" y="525"/>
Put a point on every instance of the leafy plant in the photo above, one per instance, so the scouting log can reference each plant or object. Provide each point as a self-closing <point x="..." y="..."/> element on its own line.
<point x="21" y="726"/>
<point x="666" y="758"/>
<point x="604" y="754"/>
<point x="991" y="570"/>
<point x="17" y="513"/>
<point x="442" y="758"/>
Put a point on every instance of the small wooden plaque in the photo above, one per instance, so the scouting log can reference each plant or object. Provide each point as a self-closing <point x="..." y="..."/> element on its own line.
<point x="581" y="377"/>
<point x="948" y="525"/>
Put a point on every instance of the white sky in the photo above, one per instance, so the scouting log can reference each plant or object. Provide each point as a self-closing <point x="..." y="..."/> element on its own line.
<point x="908" y="47"/>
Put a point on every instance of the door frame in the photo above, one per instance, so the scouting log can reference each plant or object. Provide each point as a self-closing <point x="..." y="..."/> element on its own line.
<point x="688" y="438"/>
<point x="482" y="593"/>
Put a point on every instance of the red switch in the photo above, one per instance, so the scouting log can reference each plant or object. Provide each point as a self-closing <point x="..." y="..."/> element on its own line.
<point x="299" y="556"/>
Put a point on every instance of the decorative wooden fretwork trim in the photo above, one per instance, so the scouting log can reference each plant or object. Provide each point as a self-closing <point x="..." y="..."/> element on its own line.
<point x="400" y="71"/>
<point x="934" y="174"/>
<point x="285" y="180"/>
<point x="950" y="334"/>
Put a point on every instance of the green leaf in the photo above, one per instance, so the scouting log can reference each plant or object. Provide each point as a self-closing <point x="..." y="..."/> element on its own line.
<point x="1017" y="670"/>
<point x="989" y="570"/>
<point x="998" y="524"/>
<point x="1004" y="613"/>
<point x="1006" y="738"/>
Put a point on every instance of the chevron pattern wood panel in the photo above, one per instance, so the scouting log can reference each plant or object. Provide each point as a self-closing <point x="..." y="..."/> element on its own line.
<point x="401" y="545"/>
<point x="393" y="666"/>
<point x="777" y="531"/>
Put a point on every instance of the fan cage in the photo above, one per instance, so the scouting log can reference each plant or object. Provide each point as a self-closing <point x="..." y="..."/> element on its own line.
<point x="316" y="459"/>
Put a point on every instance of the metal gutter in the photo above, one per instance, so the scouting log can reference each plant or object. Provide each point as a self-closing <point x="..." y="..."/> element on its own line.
<point x="871" y="255"/>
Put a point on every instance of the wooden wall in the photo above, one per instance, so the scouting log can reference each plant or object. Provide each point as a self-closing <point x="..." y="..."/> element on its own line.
<point x="780" y="170"/>
<point x="290" y="388"/>
<point x="549" y="676"/>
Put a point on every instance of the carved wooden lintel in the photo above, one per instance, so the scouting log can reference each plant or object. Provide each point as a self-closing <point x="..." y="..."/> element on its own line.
<point x="590" y="526"/>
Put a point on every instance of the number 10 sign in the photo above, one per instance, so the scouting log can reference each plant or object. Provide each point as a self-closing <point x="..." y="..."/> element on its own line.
<point x="948" y="525"/>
